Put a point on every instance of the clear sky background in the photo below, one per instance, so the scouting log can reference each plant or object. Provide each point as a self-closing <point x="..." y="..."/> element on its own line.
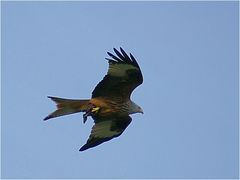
<point x="188" y="53"/>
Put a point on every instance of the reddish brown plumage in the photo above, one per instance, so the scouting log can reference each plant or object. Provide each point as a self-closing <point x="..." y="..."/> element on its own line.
<point x="67" y="106"/>
<point x="110" y="105"/>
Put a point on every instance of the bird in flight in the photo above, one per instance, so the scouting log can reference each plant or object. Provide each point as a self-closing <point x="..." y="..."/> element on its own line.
<point x="110" y="105"/>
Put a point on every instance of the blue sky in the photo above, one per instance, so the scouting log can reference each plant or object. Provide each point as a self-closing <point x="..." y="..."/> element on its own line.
<point x="188" y="53"/>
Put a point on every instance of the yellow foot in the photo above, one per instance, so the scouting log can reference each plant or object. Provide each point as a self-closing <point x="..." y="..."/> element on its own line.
<point x="95" y="109"/>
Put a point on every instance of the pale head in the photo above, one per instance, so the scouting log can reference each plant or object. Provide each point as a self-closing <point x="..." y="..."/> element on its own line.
<point x="134" y="108"/>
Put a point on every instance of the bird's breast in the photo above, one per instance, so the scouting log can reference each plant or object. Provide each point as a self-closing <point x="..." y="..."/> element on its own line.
<point x="108" y="107"/>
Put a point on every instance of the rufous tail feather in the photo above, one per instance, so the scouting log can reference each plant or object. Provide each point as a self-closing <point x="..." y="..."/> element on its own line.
<point x="67" y="106"/>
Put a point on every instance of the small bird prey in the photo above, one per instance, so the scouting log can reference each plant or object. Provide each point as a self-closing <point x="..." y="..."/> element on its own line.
<point x="110" y="105"/>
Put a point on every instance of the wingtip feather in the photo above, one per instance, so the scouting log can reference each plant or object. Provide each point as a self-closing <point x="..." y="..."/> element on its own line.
<point x="83" y="148"/>
<point x="114" y="57"/>
<point x="121" y="57"/>
<point x="48" y="117"/>
<point x="126" y="57"/>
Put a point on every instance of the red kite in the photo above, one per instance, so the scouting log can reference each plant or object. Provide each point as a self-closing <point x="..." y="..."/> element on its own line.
<point x="110" y="105"/>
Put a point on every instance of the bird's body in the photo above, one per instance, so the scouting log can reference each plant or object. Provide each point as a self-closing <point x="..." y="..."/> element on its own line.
<point x="110" y="105"/>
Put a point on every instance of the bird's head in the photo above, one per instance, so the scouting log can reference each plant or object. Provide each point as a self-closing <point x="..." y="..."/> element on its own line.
<point x="139" y="110"/>
<point x="134" y="108"/>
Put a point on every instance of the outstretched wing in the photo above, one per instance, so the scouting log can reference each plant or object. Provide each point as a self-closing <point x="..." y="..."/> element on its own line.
<point x="105" y="130"/>
<point x="123" y="76"/>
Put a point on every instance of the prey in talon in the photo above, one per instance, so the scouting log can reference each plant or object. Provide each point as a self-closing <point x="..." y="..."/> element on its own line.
<point x="110" y="105"/>
<point x="91" y="111"/>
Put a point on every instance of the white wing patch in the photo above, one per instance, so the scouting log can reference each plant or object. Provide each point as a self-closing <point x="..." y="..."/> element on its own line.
<point x="103" y="130"/>
<point x="119" y="70"/>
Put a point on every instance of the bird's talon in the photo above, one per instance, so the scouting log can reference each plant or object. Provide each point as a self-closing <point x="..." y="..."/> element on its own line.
<point x="90" y="112"/>
<point x="84" y="118"/>
<point x="95" y="109"/>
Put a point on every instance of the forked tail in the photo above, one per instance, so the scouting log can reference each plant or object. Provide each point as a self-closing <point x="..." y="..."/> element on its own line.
<point x="67" y="106"/>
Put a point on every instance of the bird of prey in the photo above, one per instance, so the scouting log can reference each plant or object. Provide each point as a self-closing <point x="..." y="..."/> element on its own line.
<point x="110" y="105"/>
